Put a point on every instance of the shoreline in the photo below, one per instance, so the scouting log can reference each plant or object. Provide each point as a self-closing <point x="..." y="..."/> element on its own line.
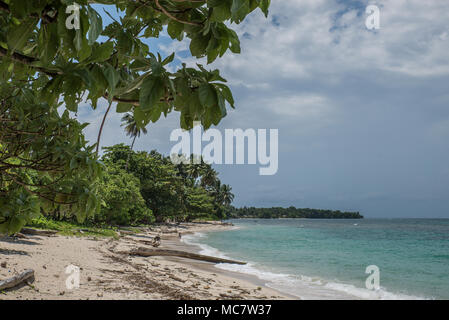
<point x="107" y="271"/>
<point x="301" y="285"/>
<point x="233" y="274"/>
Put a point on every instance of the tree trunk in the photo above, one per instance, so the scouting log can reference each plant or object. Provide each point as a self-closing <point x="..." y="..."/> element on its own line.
<point x="132" y="146"/>
<point x="101" y="128"/>
<point x="38" y="232"/>
<point x="144" y="252"/>
<point x="16" y="280"/>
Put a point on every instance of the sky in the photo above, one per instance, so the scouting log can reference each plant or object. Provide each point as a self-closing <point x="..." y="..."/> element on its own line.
<point x="362" y="115"/>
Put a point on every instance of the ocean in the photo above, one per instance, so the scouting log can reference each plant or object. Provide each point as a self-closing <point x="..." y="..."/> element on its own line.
<point x="327" y="259"/>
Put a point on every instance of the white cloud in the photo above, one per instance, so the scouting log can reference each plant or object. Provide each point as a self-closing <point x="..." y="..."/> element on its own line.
<point x="360" y="112"/>
<point x="300" y="106"/>
<point x="314" y="38"/>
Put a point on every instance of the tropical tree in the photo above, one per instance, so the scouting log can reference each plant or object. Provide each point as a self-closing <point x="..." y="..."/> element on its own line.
<point x="199" y="204"/>
<point x="208" y="176"/>
<point x="131" y="128"/>
<point x="168" y="190"/>
<point x="45" y="163"/>
<point x="161" y="186"/>
<point x="122" y="202"/>
<point x="226" y="194"/>
<point x="54" y="51"/>
<point x="195" y="170"/>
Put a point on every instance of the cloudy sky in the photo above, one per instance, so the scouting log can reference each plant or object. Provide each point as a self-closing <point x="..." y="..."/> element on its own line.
<point x="363" y="116"/>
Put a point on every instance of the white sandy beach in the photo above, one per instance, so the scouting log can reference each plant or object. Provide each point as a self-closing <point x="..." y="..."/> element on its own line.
<point x="106" y="272"/>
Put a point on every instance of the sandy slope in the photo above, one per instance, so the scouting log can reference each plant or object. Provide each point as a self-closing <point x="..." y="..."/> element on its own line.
<point x="106" y="273"/>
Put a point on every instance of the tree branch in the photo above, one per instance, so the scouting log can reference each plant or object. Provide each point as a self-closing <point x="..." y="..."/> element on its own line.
<point x="136" y="103"/>
<point x="101" y="127"/>
<point x="37" y="193"/>
<point x="27" y="60"/>
<point x="168" y="14"/>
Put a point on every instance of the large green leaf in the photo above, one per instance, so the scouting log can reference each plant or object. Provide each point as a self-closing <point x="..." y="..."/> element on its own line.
<point x="198" y="45"/>
<point x="208" y="95"/>
<point x="112" y="76"/>
<point x="264" y="5"/>
<point x="19" y="35"/>
<point x="175" y="29"/>
<point x="226" y="92"/>
<point x="96" y="25"/>
<point x="151" y="92"/>
<point x="123" y="107"/>
<point x="239" y="10"/>
<point x="101" y="52"/>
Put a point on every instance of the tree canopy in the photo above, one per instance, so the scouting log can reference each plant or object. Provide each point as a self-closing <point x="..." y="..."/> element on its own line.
<point x="55" y="54"/>
<point x="291" y="212"/>
<point x="181" y="192"/>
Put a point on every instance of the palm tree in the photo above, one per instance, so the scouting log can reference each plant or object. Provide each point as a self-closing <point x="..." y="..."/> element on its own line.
<point x="226" y="194"/>
<point x="223" y="196"/>
<point x="195" y="170"/>
<point x="208" y="177"/>
<point x="131" y="128"/>
<point x="216" y="192"/>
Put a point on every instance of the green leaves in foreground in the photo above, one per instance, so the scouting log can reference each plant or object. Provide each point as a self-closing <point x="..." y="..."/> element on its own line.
<point x="113" y="61"/>
<point x="96" y="25"/>
<point x="153" y="89"/>
<point x="46" y="165"/>
<point x="45" y="162"/>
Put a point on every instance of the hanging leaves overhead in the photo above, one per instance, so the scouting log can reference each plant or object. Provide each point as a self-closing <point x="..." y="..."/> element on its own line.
<point x="54" y="54"/>
<point x="114" y="61"/>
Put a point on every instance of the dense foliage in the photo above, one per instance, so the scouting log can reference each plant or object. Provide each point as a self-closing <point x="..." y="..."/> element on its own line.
<point x="291" y="212"/>
<point x="140" y="187"/>
<point x="122" y="202"/>
<point x="52" y="55"/>
<point x="44" y="161"/>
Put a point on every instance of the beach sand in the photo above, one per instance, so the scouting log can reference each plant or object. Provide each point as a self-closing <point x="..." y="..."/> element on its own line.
<point x="107" y="272"/>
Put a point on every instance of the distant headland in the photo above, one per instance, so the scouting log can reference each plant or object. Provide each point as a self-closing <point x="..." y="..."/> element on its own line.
<point x="290" y="212"/>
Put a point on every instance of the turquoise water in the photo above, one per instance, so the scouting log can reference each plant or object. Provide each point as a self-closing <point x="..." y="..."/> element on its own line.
<point x="327" y="259"/>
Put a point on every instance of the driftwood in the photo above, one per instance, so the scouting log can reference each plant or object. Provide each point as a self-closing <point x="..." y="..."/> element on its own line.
<point x="169" y="231"/>
<point x="20" y="236"/>
<point x="144" y="252"/>
<point x="126" y="232"/>
<point x="156" y="242"/>
<point x="16" y="280"/>
<point x="38" y="232"/>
